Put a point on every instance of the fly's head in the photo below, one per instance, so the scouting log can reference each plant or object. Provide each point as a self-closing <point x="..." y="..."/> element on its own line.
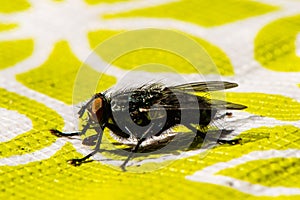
<point x="95" y="108"/>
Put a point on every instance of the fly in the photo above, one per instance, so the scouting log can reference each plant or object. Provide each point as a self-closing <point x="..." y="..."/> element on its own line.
<point x="151" y="110"/>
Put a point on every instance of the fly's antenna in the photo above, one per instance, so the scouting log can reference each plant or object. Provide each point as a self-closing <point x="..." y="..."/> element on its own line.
<point x="83" y="108"/>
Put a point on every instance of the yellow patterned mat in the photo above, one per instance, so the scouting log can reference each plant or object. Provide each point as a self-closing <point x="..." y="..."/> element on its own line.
<point x="45" y="44"/>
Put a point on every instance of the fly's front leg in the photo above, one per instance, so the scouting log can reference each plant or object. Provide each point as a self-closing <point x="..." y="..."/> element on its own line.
<point x="200" y="136"/>
<point x="68" y="134"/>
<point x="79" y="161"/>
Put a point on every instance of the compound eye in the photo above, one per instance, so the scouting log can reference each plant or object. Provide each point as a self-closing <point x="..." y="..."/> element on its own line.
<point x="96" y="110"/>
<point x="97" y="105"/>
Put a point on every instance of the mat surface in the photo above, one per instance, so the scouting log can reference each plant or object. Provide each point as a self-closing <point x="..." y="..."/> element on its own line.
<point x="55" y="54"/>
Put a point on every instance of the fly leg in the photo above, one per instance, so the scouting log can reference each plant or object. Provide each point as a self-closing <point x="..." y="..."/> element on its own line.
<point x="92" y="140"/>
<point x="80" y="113"/>
<point x="79" y="161"/>
<point x="65" y="134"/>
<point x="133" y="151"/>
<point x="231" y="142"/>
<point x="200" y="136"/>
<point x="136" y="148"/>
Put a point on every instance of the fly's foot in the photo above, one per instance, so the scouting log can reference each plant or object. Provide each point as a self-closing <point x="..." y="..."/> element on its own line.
<point x="56" y="132"/>
<point x="123" y="167"/>
<point x="231" y="142"/>
<point x="228" y="114"/>
<point x="75" y="162"/>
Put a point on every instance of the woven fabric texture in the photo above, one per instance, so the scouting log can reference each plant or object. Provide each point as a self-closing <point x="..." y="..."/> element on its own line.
<point x="56" y="54"/>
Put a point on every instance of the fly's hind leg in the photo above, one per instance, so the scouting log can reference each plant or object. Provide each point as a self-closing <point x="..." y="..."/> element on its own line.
<point x="201" y="135"/>
<point x="231" y="142"/>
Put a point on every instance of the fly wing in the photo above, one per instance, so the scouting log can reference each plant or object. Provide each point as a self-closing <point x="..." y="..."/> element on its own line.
<point x="204" y="86"/>
<point x="188" y="87"/>
<point x="178" y="97"/>
<point x="219" y="104"/>
<point x="193" y="102"/>
<point x="226" y="105"/>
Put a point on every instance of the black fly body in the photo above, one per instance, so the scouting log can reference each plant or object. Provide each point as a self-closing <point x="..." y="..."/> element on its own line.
<point x="148" y="112"/>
